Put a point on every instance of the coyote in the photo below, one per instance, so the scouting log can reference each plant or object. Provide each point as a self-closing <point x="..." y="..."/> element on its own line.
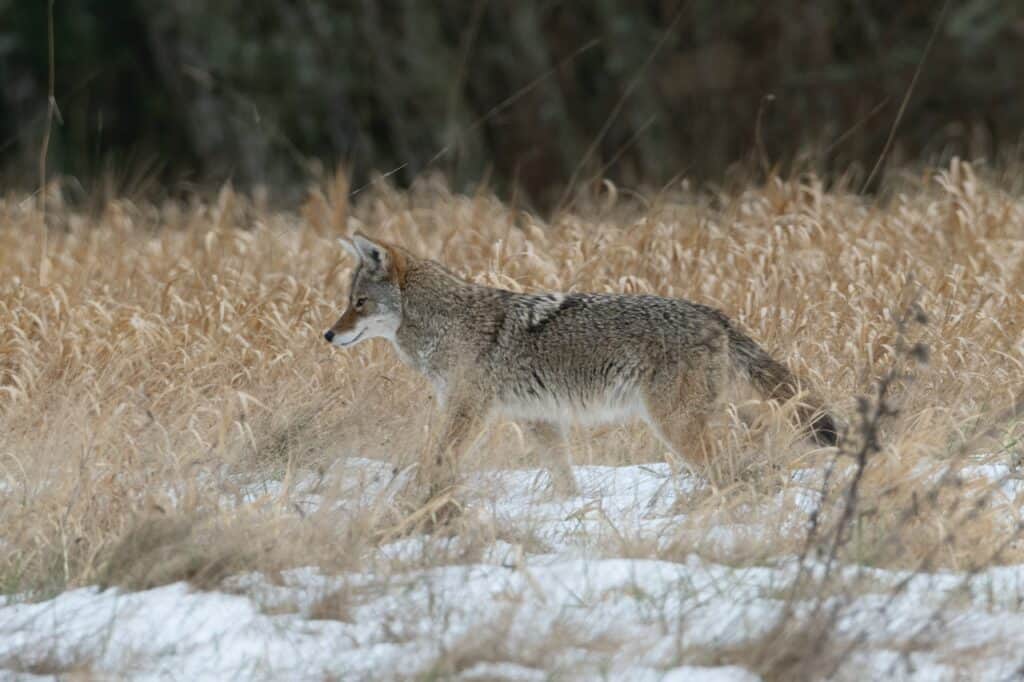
<point x="552" y="359"/>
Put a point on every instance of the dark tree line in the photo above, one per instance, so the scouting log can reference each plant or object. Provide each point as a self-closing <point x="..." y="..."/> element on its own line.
<point x="532" y="94"/>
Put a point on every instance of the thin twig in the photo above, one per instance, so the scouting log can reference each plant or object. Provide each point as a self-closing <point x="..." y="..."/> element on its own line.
<point x="906" y="97"/>
<point x="633" y="83"/>
<point x="489" y="114"/>
<point x="762" y="151"/>
<point x="51" y="109"/>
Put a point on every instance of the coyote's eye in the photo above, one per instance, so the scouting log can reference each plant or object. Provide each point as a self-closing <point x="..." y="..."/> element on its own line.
<point x="360" y="303"/>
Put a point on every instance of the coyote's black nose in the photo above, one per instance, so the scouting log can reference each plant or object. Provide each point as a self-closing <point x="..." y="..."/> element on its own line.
<point x="329" y="335"/>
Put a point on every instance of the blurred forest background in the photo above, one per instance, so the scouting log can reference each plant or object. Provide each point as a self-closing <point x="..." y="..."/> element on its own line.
<point x="529" y="95"/>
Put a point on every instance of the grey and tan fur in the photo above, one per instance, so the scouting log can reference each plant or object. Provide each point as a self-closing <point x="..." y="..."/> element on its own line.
<point x="555" y="359"/>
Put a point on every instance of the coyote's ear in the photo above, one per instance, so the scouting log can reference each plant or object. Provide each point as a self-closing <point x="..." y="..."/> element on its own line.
<point x="349" y="247"/>
<point x="380" y="259"/>
<point x="376" y="257"/>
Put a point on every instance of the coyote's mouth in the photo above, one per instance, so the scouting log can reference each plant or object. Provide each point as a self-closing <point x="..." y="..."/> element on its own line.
<point x="349" y="343"/>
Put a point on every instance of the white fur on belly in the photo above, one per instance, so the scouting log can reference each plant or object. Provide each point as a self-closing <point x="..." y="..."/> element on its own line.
<point x="567" y="412"/>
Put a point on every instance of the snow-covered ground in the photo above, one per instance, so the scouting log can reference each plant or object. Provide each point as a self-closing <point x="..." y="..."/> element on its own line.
<point x="568" y="603"/>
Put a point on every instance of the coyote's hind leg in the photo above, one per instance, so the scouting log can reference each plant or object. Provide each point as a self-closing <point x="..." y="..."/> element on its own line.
<point x="678" y="410"/>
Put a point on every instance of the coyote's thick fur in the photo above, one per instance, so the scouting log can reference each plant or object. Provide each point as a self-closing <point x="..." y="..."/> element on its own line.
<point x="553" y="359"/>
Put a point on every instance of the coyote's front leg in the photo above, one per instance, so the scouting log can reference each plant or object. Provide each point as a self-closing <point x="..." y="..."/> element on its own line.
<point x="464" y="415"/>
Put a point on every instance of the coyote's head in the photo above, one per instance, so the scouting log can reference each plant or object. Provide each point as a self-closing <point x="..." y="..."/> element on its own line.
<point x="375" y="295"/>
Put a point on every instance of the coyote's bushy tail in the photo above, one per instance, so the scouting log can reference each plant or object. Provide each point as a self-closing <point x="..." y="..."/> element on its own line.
<point x="774" y="381"/>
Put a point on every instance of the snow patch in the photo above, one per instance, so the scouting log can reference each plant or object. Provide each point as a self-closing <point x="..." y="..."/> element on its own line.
<point x="508" y="610"/>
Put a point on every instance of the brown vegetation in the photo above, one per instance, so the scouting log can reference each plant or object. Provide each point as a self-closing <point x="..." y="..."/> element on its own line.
<point x="164" y="387"/>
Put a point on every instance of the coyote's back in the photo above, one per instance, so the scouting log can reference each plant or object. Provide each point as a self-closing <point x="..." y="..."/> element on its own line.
<point x="557" y="358"/>
<point x="596" y="357"/>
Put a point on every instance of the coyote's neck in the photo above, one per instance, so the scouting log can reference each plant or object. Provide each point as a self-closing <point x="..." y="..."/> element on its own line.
<point x="433" y="302"/>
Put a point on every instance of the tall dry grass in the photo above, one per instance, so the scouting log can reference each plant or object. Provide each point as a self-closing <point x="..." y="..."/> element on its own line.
<point x="158" y="359"/>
